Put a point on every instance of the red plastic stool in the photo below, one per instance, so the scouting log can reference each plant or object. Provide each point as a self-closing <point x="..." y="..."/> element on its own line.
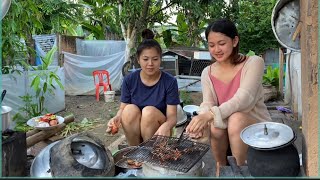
<point x="104" y="80"/>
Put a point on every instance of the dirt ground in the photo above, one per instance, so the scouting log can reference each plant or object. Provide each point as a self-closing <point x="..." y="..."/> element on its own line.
<point x="87" y="107"/>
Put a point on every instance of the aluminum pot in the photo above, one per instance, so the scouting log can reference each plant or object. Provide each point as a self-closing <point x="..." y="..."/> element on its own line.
<point x="271" y="150"/>
<point x="6" y="118"/>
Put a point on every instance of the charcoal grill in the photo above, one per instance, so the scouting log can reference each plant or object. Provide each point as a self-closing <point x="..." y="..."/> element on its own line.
<point x="143" y="153"/>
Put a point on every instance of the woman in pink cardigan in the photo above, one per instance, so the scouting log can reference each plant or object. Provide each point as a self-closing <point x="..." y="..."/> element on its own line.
<point x="232" y="94"/>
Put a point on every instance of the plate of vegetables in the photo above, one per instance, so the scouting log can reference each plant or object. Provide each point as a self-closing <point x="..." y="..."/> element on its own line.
<point x="45" y="122"/>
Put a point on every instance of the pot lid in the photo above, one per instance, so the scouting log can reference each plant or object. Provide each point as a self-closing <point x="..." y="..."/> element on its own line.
<point x="267" y="135"/>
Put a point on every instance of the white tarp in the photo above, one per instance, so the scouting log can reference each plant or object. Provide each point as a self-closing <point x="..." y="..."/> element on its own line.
<point x="19" y="85"/>
<point x="99" y="47"/>
<point x="79" y="68"/>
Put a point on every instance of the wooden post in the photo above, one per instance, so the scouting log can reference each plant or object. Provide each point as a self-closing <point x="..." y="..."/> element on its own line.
<point x="14" y="155"/>
<point x="281" y="60"/>
<point x="60" y="62"/>
<point x="310" y="84"/>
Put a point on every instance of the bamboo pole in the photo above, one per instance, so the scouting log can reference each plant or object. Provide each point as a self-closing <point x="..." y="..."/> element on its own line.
<point x="281" y="62"/>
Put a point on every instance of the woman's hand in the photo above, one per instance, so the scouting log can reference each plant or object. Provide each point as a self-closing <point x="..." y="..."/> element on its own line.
<point x="199" y="122"/>
<point x="195" y="135"/>
<point x="114" y="125"/>
<point x="164" y="130"/>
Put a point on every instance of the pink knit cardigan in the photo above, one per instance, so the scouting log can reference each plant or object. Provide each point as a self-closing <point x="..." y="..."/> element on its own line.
<point x="249" y="98"/>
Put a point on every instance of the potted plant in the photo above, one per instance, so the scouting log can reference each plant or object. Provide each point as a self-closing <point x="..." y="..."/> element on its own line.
<point x="271" y="83"/>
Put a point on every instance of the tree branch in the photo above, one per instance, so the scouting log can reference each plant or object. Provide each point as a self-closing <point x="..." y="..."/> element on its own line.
<point x="153" y="15"/>
<point x="123" y="29"/>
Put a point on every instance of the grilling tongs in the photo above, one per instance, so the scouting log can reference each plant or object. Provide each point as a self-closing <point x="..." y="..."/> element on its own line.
<point x="185" y="126"/>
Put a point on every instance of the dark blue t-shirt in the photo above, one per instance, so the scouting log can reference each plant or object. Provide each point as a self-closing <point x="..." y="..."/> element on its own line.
<point x="163" y="93"/>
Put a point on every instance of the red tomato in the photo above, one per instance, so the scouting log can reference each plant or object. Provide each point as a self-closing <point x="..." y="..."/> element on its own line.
<point x="114" y="130"/>
<point x="44" y="119"/>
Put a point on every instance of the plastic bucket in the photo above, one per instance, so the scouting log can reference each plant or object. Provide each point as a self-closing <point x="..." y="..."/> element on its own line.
<point x="109" y="96"/>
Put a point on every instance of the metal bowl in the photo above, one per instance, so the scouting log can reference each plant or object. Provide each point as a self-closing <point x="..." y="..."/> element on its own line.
<point x="181" y="116"/>
<point x="191" y="109"/>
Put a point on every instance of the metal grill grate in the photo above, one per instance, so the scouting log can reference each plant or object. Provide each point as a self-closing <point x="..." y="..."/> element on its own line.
<point x="187" y="160"/>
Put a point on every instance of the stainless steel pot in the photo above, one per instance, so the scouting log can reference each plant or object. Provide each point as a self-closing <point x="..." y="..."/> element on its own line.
<point x="6" y="118"/>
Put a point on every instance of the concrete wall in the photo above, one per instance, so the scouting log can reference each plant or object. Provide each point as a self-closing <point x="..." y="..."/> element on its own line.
<point x="309" y="72"/>
<point x="271" y="57"/>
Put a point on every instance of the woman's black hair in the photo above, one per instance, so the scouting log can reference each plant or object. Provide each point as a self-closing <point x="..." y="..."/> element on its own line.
<point x="147" y="34"/>
<point x="228" y="28"/>
<point x="147" y="44"/>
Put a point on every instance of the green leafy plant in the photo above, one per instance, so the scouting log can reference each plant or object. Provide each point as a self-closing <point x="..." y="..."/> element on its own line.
<point x="36" y="108"/>
<point x="47" y="77"/>
<point x="271" y="77"/>
<point x="185" y="97"/>
<point x="251" y="53"/>
<point x="29" y="110"/>
<point x="75" y="127"/>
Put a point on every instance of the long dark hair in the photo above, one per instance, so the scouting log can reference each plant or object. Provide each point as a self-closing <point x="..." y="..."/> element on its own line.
<point x="147" y="44"/>
<point x="228" y="28"/>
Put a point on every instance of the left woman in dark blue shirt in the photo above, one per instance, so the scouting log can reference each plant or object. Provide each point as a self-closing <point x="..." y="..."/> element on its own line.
<point x="149" y="98"/>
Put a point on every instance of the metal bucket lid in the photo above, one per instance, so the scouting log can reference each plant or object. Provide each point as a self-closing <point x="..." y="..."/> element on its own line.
<point x="267" y="135"/>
